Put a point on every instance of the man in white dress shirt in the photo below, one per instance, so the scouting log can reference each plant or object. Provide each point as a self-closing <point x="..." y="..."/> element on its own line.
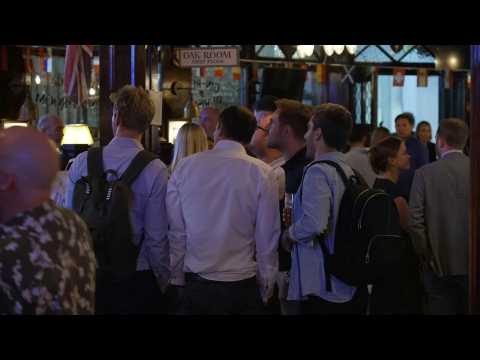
<point x="224" y="222"/>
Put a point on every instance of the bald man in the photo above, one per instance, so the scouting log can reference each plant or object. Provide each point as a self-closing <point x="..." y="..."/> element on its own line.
<point x="47" y="264"/>
<point x="53" y="127"/>
<point x="209" y="118"/>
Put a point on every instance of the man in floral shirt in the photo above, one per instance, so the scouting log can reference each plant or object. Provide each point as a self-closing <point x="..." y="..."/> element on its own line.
<point x="47" y="264"/>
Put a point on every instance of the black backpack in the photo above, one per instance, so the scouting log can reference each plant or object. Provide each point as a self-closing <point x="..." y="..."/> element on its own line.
<point x="368" y="237"/>
<point x="105" y="207"/>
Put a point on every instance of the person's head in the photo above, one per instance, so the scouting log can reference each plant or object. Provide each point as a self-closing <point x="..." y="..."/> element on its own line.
<point x="191" y="139"/>
<point x="236" y="124"/>
<point x="389" y="154"/>
<point x="328" y="129"/>
<point x="133" y="110"/>
<point x="452" y="135"/>
<point x="378" y="135"/>
<point x="209" y="118"/>
<point x="360" y="136"/>
<point x="28" y="167"/>
<point x="289" y="125"/>
<point x="53" y="127"/>
<point x="424" y="132"/>
<point x="404" y="124"/>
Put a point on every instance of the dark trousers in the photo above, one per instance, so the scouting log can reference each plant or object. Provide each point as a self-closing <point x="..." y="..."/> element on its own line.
<point x="205" y="297"/>
<point x="137" y="295"/>
<point x="318" y="306"/>
<point x="446" y="295"/>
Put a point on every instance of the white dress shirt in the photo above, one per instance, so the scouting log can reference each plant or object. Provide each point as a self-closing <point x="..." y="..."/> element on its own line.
<point x="224" y="219"/>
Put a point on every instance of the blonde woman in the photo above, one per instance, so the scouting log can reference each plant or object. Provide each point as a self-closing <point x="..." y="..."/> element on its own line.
<point x="191" y="139"/>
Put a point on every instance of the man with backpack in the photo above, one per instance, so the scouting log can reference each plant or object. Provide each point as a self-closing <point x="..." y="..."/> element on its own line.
<point x="315" y="211"/>
<point x="119" y="191"/>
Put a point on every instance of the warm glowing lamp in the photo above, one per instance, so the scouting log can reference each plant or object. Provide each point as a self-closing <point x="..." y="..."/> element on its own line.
<point x="305" y="51"/>
<point x="77" y="138"/>
<point x="10" y="124"/>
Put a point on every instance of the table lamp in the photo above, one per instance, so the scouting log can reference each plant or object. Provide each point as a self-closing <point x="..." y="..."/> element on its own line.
<point x="77" y="138"/>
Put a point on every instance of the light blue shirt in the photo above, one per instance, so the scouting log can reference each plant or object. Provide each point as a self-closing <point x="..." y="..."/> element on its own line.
<point x="313" y="215"/>
<point x="148" y="212"/>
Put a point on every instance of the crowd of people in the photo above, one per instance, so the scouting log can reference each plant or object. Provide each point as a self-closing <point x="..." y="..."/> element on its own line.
<point x="250" y="217"/>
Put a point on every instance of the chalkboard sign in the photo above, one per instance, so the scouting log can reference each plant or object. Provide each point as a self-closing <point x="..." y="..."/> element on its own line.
<point x="217" y="87"/>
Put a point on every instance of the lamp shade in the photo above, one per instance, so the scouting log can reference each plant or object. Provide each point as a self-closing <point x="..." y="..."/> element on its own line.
<point x="305" y="50"/>
<point x="328" y="49"/>
<point x="338" y="49"/>
<point x="77" y="134"/>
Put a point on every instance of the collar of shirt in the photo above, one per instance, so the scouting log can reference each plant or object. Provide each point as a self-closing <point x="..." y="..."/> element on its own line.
<point x="299" y="156"/>
<point x="334" y="156"/>
<point x="124" y="142"/>
<point x="230" y="146"/>
<point x="360" y="150"/>
<point x="35" y="213"/>
<point x="277" y="162"/>
<point x="451" y="152"/>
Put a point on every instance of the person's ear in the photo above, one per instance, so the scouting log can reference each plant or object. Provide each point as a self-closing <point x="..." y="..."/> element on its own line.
<point x="318" y="134"/>
<point x="7" y="181"/>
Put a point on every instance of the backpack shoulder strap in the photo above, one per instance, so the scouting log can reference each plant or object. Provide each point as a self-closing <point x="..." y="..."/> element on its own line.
<point x="337" y="167"/>
<point x="95" y="162"/>
<point x="138" y="164"/>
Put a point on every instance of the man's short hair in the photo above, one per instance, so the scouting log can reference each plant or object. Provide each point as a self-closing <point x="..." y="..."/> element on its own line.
<point x="266" y="103"/>
<point x="294" y="114"/>
<point x="455" y="132"/>
<point x="336" y="124"/>
<point x="360" y="132"/>
<point x="406" y="115"/>
<point x="238" y="123"/>
<point x="135" y="108"/>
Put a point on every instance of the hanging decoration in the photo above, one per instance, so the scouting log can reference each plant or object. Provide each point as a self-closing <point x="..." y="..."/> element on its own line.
<point x="236" y="73"/>
<point x="42" y="60"/>
<point x="77" y="66"/>
<point x="219" y="72"/>
<point x="398" y="77"/>
<point x="321" y="74"/>
<point x="422" y="78"/>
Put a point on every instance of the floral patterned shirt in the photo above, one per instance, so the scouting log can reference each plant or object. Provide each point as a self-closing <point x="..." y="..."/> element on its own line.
<point x="47" y="264"/>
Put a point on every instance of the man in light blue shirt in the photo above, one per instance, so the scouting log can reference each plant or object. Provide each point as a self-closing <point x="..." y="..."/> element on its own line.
<point x="133" y="111"/>
<point x="315" y="212"/>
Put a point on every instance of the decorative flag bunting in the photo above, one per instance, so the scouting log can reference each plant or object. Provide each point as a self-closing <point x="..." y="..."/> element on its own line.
<point x="78" y="60"/>
<point x="236" y="72"/>
<point x="398" y="77"/>
<point x="29" y="66"/>
<point x="422" y="78"/>
<point x="42" y="59"/>
<point x="321" y="74"/>
<point x="219" y="72"/>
